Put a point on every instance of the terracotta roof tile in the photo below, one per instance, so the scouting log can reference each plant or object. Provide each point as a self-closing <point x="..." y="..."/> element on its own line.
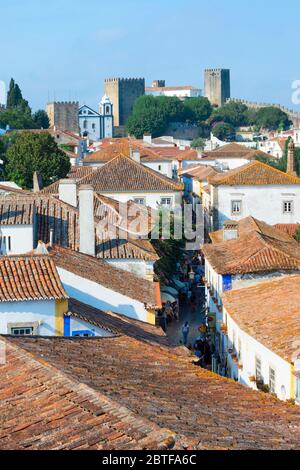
<point x="290" y="229"/>
<point x="29" y="278"/>
<point x="234" y="150"/>
<point x="118" y="324"/>
<point x="42" y="409"/>
<point x="51" y="213"/>
<point x="254" y="173"/>
<point x="269" y="312"/>
<point x="257" y="249"/>
<point x="16" y="212"/>
<point x="124" y="174"/>
<point x="103" y="273"/>
<point x="160" y="384"/>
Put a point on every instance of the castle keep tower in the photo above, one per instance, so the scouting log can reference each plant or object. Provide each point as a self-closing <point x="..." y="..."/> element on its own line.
<point x="217" y="86"/>
<point x="123" y="92"/>
<point x="64" y="115"/>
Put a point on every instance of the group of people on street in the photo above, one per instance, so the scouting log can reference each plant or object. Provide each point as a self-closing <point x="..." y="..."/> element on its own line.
<point x="168" y="313"/>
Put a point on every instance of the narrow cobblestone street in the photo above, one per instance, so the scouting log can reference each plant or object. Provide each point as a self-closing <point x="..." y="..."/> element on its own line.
<point x="186" y="313"/>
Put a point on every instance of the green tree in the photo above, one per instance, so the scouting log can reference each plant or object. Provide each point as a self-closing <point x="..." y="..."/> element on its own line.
<point x="231" y="113"/>
<point x="272" y="118"/>
<point x="198" y="109"/>
<point x="41" y="120"/>
<point x="17" y="118"/>
<point x="148" y="122"/>
<point x="198" y="143"/>
<point x="35" y="152"/>
<point x="223" y="130"/>
<point x="172" y="108"/>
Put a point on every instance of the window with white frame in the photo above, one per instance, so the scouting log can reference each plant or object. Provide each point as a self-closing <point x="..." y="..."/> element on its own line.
<point x="166" y="201"/>
<point x="272" y="379"/>
<point x="288" y="207"/>
<point x="22" y="331"/>
<point x="258" y="375"/>
<point x="236" y="207"/>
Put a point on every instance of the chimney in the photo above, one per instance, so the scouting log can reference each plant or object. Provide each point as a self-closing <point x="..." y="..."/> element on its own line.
<point x="230" y="230"/>
<point x="291" y="160"/>
<point x="86" y="220"/>
<point x="147" y="139"/>
<point x="136" y="155"/>
<point x="67" y="191"/>
<point x="51" y="234"/>
<point x="37" y="182"/>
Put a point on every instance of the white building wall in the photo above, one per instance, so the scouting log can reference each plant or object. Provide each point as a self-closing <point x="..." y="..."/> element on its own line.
<point x="77" y="324"/>
<point x="98" y="296"/>
<point x="140" y="268"/>
<point x="165" y="168"/>
<point x="263" y="202"/>
<point x="250" y="348"/>
<point x="26" y="312"/>
<point x="150" y="199"/>
<point x="22" y="239"/>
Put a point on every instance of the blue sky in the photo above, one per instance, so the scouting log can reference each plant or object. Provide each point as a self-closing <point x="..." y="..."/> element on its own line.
<point x="65" y="49"/>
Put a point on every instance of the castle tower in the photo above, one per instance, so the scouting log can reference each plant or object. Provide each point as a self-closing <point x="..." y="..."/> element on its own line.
<point x="291" y="160"/>
<point x="64" y="115"/>
<point x="217" y="86"/>
<point x="123" y="92"/>
<point x="106" y="112"/>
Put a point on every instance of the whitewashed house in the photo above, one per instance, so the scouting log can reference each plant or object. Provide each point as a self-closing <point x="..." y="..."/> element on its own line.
<point x="32" y="298"/>
<point x="17" y="226"/>
<point x="243" y="254"/>
<point x="100" y="285"/>
<point x="124" y="178"/>
<point x="257" y="190"/>
<point x="231" y="156"/>
<point x="262" y="336"/>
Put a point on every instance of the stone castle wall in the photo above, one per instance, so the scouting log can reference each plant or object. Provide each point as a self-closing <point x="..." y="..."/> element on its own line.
<point x="64" y="115"/>
<point x="123" y="92"/>
<point x="217" y="85"/>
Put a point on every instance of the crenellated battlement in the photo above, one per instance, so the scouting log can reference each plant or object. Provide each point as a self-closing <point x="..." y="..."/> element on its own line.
<point x="258" y="105"/>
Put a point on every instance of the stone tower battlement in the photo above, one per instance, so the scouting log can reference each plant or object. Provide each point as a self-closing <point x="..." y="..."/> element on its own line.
<point x="217" y="85"/>
<point x="293" y="115"/>
<point x="123" y="92"/>
<point x="64" y="115"/>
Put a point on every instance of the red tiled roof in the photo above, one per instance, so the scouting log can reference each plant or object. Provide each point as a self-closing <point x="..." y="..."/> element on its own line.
<point x="51" y="213"/>
<point x="103" y="273"/>
<point x="234" y="150"/>
<point x="254" y="173"/>
<point x="16" y="212"/>
<point x="269" y="312"/>
<point x="262" y="249"/>
<point x="161" y="384"/>
<point x="124" y="174"/>
<point x="118" y="324"/>
<point x="42" y="409"/>
<point x="25" y="278"/>
<point x="290" y="229"/>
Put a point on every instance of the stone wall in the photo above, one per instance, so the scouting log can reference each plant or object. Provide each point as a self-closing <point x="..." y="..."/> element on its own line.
<point x="123" y="92"/>
<point x="217" y="85"/>
<point x="64" y="115"/>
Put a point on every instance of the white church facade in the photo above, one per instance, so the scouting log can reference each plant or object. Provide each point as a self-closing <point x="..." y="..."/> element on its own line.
<point x="97" y="125"/>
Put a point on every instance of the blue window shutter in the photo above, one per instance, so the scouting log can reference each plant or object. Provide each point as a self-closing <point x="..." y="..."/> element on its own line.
<point x="227" y="282"/>
<point x="67" y="325"/>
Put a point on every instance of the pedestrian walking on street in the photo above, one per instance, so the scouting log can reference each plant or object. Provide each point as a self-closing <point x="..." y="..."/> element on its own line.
<point x="185" y="332"/>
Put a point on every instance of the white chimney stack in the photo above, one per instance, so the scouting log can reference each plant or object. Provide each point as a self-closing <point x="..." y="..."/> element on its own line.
<point x="147" y="139"/>
<point x="67" y="191"/>
<point x="87" y="240"/>
<point x="136" y="156"/>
